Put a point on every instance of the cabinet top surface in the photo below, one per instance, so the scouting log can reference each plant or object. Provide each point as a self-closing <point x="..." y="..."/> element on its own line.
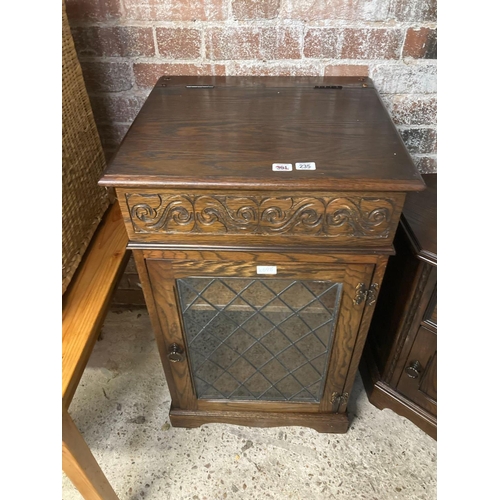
<point x="420" y="219"/>
<point x="229" y="132"/>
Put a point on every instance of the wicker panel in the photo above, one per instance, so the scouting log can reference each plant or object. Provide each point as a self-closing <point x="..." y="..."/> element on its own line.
<point x="83" y="201"/>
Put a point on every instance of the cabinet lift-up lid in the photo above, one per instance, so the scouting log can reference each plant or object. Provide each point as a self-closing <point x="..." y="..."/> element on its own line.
<point x="217" y="132"/>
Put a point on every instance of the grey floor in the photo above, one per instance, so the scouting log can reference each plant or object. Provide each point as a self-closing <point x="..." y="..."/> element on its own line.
<point x="121" y="408"/>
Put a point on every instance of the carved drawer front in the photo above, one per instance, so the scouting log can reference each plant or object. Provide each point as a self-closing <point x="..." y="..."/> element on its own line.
<point x="346" y="219"/>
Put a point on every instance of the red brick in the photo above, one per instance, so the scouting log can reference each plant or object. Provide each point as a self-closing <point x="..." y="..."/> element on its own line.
<point x="107" y="76"/>
<point x="129" y="281"/>
<point x="371" y="43"/>
<point x="346" y="70"/>
<point x="405" y="78"/>
<point x="275" y="69"/>
<point x="420" y="43"/>
<point x="131" y="268"/>
<point x="353" y="43"/>
<point x="179" y="43"/>
<point x="413" y="110"/>
<point x="116" y="108"/>
<point x="426" y="164"/>
<point x="128" y="298"/>
<point x="146" y="75"/>
<point x="117" y="41"/>
<point x="92" y="10"/>
<point x="174" y="10"/>
<point x="414" y="10"/>
<point x="353" y="10"/>
<point x="419" y="140"/>
<point x="255" y="9"/>
<point x="123" y="283"/>
<point x="233" y="43"/>
<point x="281" y="43"/>
<point x="253" y="43"/>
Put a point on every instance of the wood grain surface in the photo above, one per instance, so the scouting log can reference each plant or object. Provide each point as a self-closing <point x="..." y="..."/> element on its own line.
<point x="86" y="301"/>
<point x="80" y="465"/>
<point x="399" y="366"/>
<point x="257" y="255"/>
<point x="349" y="219"/>
<point x="382" y="395"/>
<point x="162" y="274"/>
<point x="200" y="198"/>
<point x="420" y="219"/>
<point x="321" y="422"/>
<point x="230" y="135"/>
<point x="359" y="344"/>
<point x="423" y="389"/>
<point x="140" y="263"/>
<point x="345" y="335"/>
<point x="161" y="277"/>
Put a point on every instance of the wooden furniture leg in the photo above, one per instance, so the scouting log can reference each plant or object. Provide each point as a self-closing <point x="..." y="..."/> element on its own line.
<point x="80" y="465"/>
<point x="85" y="305"/>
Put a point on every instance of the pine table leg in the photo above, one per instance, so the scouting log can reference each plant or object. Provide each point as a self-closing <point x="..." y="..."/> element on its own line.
<point x="80" y="465"/>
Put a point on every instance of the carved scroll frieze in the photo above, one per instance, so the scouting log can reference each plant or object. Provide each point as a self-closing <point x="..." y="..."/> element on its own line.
<point x="334" y="216"/>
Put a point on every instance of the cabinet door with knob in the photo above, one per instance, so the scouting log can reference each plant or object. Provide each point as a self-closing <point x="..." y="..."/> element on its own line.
<point x="418" y="382"/>
<point x="242" y="338"/>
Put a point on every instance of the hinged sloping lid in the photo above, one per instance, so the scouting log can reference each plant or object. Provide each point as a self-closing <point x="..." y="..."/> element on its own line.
<point x="219" y="132"/>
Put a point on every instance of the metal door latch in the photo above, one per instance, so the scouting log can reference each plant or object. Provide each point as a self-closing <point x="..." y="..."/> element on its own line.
<point x="339" y="398"/>
<point x="366" y="294"/>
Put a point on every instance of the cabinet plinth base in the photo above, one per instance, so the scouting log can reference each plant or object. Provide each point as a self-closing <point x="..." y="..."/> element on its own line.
<point x="321" y="422"/>
<point x="382" y="396"/>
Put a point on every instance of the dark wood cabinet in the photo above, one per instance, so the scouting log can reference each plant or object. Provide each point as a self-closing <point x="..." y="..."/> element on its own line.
<point x="399" y="366"/>
<point x="261" y="213"/>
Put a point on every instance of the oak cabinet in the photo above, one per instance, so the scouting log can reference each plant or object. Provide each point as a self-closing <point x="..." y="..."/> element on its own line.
<point x="261" y="212"/>
<point x="399" y="366"/>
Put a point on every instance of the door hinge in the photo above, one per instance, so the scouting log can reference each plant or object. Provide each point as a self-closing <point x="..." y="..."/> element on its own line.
<point x="339" y="398"/>
<point x="369" y="295"/>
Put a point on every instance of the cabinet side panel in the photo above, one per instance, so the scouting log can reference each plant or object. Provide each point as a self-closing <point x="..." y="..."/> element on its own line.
<point x="393" y="302"/>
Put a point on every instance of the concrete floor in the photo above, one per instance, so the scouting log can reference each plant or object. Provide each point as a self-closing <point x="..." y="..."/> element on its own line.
<point x="121" y="408"/>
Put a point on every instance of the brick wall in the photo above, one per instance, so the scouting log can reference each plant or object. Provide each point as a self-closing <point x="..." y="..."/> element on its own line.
<point x="126" y="45"/>
<point x="128" y="291"/>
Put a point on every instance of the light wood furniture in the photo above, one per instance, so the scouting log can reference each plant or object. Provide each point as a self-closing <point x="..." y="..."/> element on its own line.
<point x="85" y="305"/>
<point x="399" y="367"/>
<point x="261" y="213"/>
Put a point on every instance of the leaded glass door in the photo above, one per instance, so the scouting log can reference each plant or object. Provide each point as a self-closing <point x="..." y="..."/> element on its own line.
<point x="236" y="337"/>
<point x="258" y="338"/>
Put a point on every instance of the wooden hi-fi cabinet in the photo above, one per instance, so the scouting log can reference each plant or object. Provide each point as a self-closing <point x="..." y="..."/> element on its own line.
<point x="261" y="212"/>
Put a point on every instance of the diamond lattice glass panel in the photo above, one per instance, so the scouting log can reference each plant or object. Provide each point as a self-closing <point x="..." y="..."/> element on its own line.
<point x="259" y="339"/>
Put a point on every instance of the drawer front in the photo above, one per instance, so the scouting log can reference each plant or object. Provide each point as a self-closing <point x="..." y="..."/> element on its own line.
<point x="256" y="218"/>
